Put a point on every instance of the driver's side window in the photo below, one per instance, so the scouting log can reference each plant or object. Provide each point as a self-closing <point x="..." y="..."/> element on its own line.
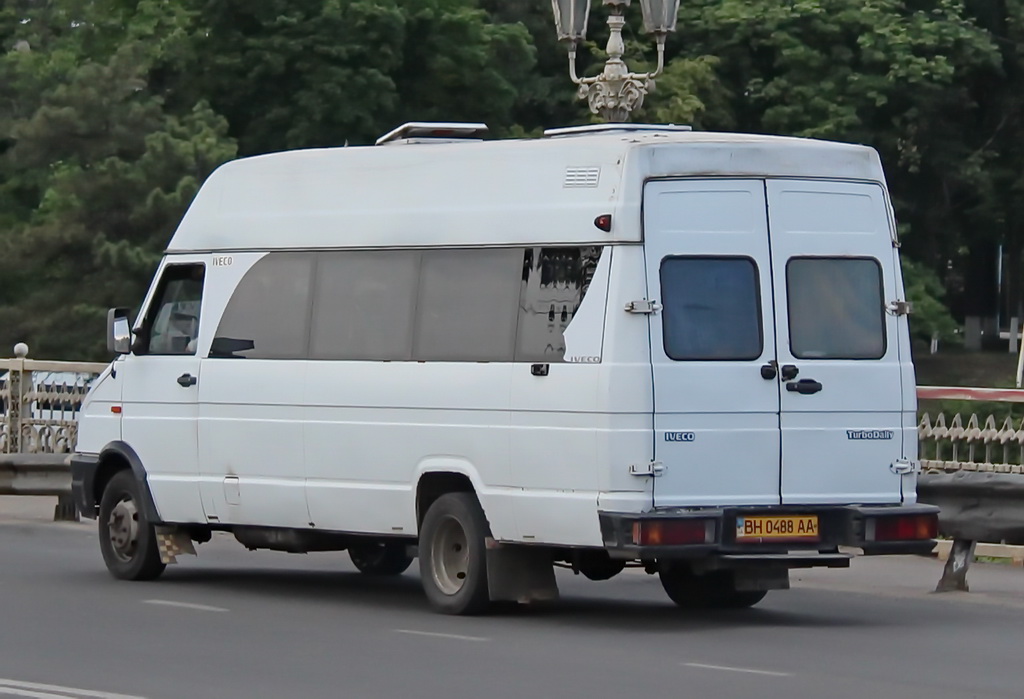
<point x="172" y="323"/>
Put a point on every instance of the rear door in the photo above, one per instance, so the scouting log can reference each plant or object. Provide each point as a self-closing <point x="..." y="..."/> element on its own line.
<point x="716" y="419"/>
<point x="838" y="350"/>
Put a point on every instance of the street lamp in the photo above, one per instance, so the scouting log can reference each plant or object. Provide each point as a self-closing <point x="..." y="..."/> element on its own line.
<point x="615" y="92"/>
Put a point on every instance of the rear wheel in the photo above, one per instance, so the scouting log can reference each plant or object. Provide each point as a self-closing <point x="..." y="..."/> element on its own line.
<point x="380" y="558"/>
<point x="453" y="563"/>
<point x="710" y="591"/>
<point x="127" y="540"/>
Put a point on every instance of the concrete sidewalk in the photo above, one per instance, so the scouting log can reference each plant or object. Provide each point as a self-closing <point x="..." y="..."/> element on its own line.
<point x="916" y="577"/>
<point x="28" y="508"/>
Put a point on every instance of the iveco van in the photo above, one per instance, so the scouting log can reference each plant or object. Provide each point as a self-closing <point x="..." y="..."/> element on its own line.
<point x="615" y="346"/>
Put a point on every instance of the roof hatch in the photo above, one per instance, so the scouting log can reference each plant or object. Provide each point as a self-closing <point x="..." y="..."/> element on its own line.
<point x="601" y="128"/>
<point x="433" y="132"/>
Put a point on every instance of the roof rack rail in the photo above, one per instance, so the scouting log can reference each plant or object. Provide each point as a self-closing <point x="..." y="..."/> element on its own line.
<point x="598" y="128"/>
<point x="428" y="131"/>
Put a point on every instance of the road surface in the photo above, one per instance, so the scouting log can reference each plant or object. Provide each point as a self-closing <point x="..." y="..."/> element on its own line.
<point x="234" y="623"/>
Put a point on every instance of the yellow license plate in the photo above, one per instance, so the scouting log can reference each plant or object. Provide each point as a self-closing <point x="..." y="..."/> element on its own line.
<point x="778" y="528"/>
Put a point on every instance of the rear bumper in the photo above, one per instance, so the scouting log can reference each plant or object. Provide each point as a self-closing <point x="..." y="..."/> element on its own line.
<point x="839" y="525"/>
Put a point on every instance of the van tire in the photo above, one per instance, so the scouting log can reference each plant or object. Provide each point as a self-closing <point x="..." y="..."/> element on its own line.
<point x="127" y="539"/>
<point x="380" y="558"/>
<point x="710" y="591"/>
<point x="453" y="556"/>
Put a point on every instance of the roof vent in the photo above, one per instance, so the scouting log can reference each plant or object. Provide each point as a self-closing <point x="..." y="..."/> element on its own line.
<point x="432" y="132"/>
<point x="603" y="128"/>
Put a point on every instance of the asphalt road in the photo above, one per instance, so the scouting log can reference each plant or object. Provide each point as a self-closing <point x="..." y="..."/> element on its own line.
<point x="238" y="624"/>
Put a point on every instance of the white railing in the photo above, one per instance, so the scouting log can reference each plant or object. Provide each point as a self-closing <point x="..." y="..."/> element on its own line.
<point x="40" y="400"/>
<point x="39" y="403"/>
<point x="971" y="442"/>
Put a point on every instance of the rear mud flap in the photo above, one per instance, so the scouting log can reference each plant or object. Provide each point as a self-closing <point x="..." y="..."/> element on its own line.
<point x="519" y="574"/>
<point x="171" y="542"/>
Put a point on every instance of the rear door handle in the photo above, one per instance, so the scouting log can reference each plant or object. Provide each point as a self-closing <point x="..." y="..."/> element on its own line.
<point x="804" y="386"/>
<point x="186" y="380"/>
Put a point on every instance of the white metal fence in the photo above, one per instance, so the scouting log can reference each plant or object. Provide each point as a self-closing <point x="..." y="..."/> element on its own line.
<point x="39" y="403"/>
<point x="971" y="441"/>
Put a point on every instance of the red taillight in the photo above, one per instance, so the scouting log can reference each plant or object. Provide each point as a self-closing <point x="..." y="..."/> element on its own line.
<point x="673" y="532"/>
<point x="906" y="528"/>
<point x="604" y="222"/>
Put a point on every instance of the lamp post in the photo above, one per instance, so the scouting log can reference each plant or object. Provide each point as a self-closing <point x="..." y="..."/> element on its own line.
<point x="615" y="92"/>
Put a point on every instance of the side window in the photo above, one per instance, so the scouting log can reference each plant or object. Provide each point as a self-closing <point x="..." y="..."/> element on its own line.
<point x="364" y="305"/>
<point x="836" y="308"/>
<point x="267" y="316"/>
<point x="471" y="305"/>
<point x="554" y="282"/>
<point x="466" y="306"/>
<point x="712" y="308"/>
<point x="172" y="322"/>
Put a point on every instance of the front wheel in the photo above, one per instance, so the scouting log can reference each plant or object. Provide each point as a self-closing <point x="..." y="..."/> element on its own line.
<point x="127" y="540"/>
<point x="710" y="591"/>
<point x="453" y="564"/>
<point x="380" y="558"/>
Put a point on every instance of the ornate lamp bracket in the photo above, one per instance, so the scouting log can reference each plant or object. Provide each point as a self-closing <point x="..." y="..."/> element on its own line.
<point x="616" y="92"/>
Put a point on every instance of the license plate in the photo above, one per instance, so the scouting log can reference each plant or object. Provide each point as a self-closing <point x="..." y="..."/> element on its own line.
<point x="777" y="528"/>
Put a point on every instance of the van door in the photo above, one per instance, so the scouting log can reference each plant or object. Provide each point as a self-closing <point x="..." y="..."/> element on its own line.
<point x="160" y="394"/>
<point x="716" y="395"/>
<point x="841" y="397"/>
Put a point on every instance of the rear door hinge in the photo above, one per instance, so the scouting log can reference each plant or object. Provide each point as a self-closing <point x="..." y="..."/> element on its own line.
<point x="651" y="468"/>
<point x="904" y="466"/>
<point x="899" y="308"/>
<point x="643" y="306"/>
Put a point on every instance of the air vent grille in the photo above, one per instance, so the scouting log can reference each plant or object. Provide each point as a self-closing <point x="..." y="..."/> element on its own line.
<point x="582" y="176"/>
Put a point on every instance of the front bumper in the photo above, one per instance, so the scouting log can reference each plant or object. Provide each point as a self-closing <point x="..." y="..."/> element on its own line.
<point x="839" y="525"/>
<point x="83" y="483"/>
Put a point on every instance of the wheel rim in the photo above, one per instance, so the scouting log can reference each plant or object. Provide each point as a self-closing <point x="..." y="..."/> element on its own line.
<point x="449" y="556"/>
<point x="123" y="529"/>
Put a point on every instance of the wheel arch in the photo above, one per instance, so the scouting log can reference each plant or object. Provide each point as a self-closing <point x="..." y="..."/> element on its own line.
<point x="438" y="475"/>
<point x="433" y="483"/>
<point x="119" y="456"/>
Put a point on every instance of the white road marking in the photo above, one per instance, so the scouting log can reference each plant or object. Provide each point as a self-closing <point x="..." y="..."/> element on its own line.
<point x="29" y="694"/>
<point x="34" y="690"/>
<point x="184" y="605"/>
<point x="450" y="636"/>
<point x="748" y="670"/>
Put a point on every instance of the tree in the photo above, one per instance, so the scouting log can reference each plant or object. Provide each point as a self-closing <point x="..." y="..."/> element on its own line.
<point x="114" y="173"/>
<point x="113" y="111"/>
<point x="312" y="73"/>
<point x="996" y="158"/>
<point x="905" y="76"/>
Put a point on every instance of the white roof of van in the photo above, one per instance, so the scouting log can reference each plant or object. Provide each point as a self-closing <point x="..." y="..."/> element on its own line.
<point x="502" y="192"/>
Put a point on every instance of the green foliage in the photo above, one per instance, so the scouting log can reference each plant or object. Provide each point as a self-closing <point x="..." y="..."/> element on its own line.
<point x="112" y="112"/>
<point x="107" y="173"/>
<point x="930" y="317"/>
<point x="689" y="92"/>
<point x="292" y="74"/>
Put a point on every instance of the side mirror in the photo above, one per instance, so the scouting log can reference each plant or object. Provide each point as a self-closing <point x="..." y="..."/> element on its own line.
<point x="119" y="331"/>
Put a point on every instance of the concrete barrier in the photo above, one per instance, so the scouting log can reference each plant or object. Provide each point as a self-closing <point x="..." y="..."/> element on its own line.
<point x="40" y="474"/>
